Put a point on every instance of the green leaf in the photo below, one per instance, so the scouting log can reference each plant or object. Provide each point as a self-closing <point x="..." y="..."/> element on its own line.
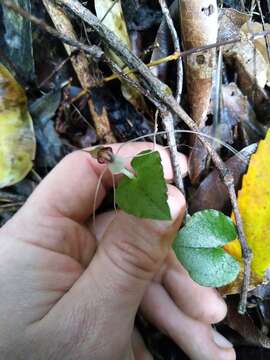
<point x="145" y="195"/>
<point x="208" y="229"/>
<point x="198" y="246"/>
<point x="209" y="267"/>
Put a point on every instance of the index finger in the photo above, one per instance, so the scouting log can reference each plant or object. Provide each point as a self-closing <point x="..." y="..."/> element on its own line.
<point x="69" y="190"/>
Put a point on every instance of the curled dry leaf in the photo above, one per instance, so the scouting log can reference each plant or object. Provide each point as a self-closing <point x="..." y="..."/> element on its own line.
<point x="111" y="14"/>
<point x="237" y="109"/>
<point x="17" y="139"/>
<point x="230" y="23"/>
<point x="249" y="62"/>
<point x="199" y="27"/>
<point x="260" y="43"/>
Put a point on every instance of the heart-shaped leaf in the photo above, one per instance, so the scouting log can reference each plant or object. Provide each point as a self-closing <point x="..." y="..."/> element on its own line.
<point x="198" y="246"/>
<point x="145" y="195"/>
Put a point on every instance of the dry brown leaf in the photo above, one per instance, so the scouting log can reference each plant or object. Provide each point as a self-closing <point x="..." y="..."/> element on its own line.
<point x="199" y="27"/>
<point x="230" y="23"/>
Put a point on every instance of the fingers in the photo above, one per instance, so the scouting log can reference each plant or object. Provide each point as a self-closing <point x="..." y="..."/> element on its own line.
<point x="69" y="190"/>
<point x="198" y="340"/>
<point x="201" y="303"/>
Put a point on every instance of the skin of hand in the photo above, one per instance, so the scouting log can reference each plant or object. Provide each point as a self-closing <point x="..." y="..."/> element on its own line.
<point x="68" y="292"/>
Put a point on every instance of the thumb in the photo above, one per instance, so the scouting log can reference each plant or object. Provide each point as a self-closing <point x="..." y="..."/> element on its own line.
<point x="130" y="253"/>
<point x="103" y="302"/>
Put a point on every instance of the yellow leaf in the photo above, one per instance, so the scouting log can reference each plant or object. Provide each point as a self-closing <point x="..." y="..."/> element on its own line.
<point x="17" y="140"/>
<point x="254" y="204"/>
<point x="111" y="14"/>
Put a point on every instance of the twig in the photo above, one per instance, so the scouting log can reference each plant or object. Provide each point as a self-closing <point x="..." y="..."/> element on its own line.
<point x="168" y="123"/>
<point x="94" y="51"/>
<point x="109" y="10"/>
<point x="176" y="44"/>
<point x="162" y="92"/>
<point x="167" y="118"/>
<point x="160" y="95"/>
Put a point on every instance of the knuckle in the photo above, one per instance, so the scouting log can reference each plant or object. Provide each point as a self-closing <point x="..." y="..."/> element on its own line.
<point x="133" y="258"/>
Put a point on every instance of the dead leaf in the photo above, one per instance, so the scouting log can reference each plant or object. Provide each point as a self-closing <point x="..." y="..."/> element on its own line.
<point x="237" y="109"/>
<point x="212" y="193"/>
<point x="230" y="23"/>
<point x="111" y="15"/>
<point x="259" y="43"/>
<point x="199" y="27"/>
<point x="17" y="139"/>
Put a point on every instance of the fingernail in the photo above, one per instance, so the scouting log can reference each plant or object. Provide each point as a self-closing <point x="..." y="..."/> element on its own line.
<point x="221" y="341"/>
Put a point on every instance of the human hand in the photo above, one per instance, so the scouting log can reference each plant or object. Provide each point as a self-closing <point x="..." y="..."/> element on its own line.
<point x="63" y="296"/>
